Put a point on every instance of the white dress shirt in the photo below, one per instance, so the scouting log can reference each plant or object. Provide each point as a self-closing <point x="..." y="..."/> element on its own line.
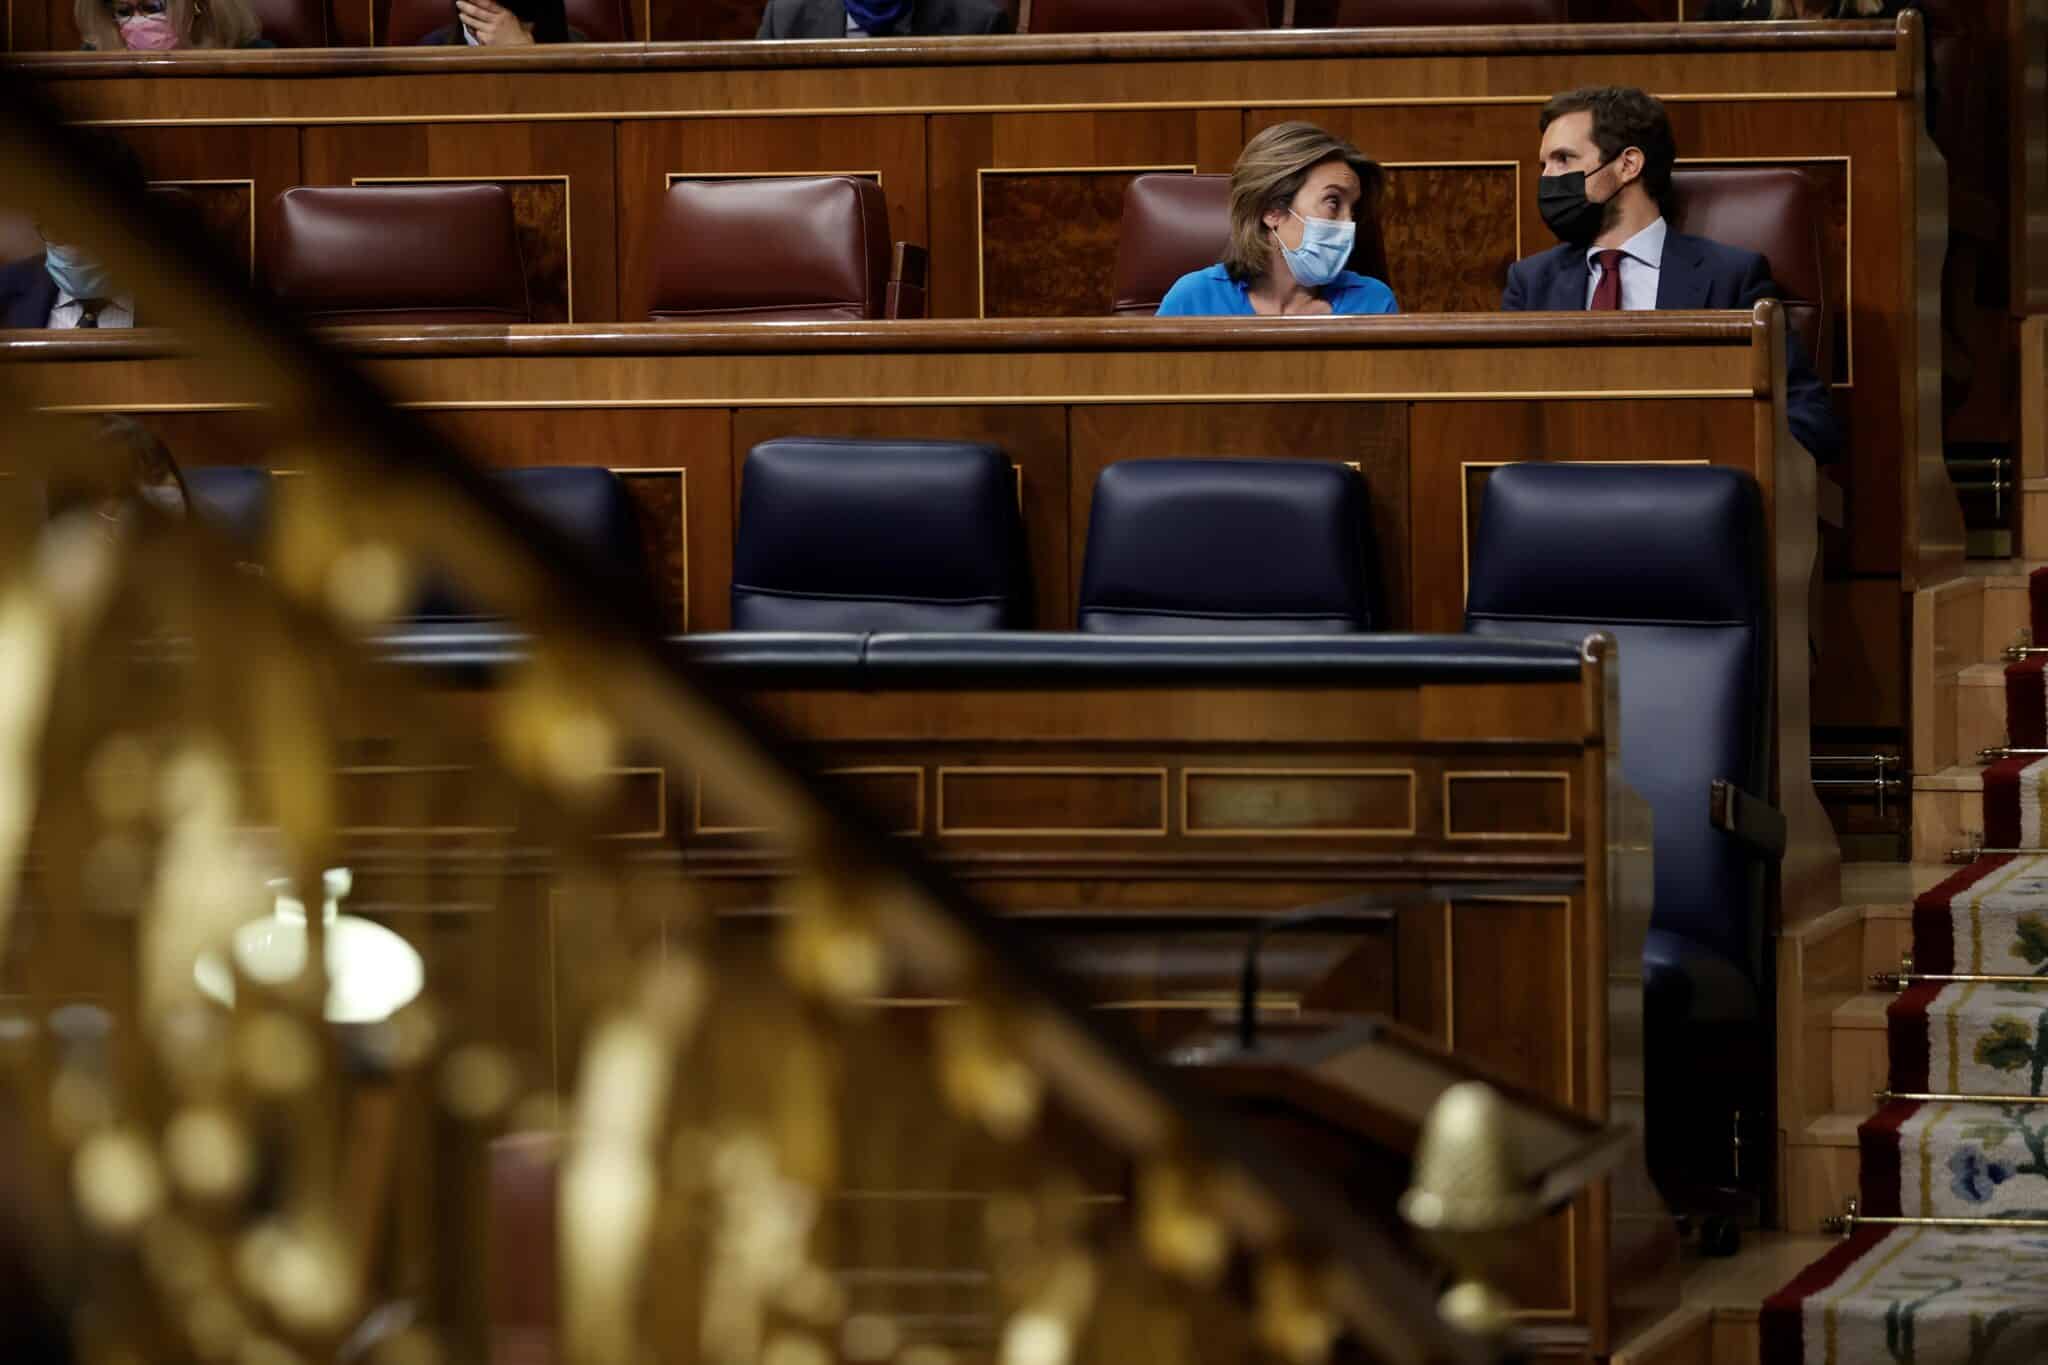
<point x="1642" y="264"/>
<point x="854" y="30"/>
<point x="66" y="312"/>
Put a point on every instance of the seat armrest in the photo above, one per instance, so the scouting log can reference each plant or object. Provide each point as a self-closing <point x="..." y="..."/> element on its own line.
<point x="909" y="276"/>
<point x="1758" y="824"/>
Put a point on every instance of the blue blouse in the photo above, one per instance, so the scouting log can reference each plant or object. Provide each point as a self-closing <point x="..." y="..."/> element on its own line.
<point x="1212" y="293"/>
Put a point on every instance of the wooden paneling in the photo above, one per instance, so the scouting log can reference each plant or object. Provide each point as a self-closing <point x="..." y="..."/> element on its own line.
<point x="692" y="21"/>
<point x="1373" y="436"/>
<point x="1426" y="208"/>
<point x="1035" y="439"/>
<point x="229" y="173"/>
<point x="1048" y="242"/>
<point x="651" y="151"/>
<point x="1273" y="801"/>
<point x="567" y="243"/>
<point x="965" y="147"/>
<point x="682" y="486"/>
<point x="225" y="210"/>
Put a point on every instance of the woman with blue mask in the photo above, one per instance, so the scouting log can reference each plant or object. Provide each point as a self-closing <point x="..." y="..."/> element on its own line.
<point x="1295" y="201"/>
<point x="882" y="18"/>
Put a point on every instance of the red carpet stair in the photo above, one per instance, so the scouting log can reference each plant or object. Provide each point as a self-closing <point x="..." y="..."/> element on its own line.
<point x="1961" y="1133"/>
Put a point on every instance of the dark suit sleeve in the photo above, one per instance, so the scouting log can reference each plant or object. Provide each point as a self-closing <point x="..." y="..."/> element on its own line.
<point x="1515" y="298"/>
<point x="1807" y="409"/>
<point x="771" y="20"/>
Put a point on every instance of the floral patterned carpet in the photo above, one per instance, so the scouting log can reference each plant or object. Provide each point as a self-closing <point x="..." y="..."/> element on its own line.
<point x="1932" y="1296"/>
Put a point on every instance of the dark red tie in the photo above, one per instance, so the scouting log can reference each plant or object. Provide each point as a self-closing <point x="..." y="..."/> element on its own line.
<point x="1607" y="293"/>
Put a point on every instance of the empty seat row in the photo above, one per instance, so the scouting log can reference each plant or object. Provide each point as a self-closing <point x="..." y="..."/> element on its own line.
<point x="905" y="536"/>
<point x="808" y="248"/>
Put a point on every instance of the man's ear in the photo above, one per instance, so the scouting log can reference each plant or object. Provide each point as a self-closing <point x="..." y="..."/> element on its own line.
<point x="1631" y="164"/>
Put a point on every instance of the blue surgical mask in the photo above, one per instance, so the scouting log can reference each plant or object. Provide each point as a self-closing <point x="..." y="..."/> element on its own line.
<point x="878" y="17"/>
<point x="1325" y="247"/>
<point x="75" y="273"/>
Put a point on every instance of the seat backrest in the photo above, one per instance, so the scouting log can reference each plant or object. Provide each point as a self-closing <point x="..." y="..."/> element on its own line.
<point x="778" y="249"/>
<point x="294" y="23"/>
<point x="234" y="499"/>
<point x="1670" y="560"/>
<point x="1774" y="211"/>
<point x="844" y="535"/>
<point x="1173" y="224"/>
<point x="1144" y="16"/>
<point x="586" y="503"/>
<point x="1442" y="13"/>
<point x="596" y="21"/>
<point x="1229" y="546"/>
<point x="393" y="254"/>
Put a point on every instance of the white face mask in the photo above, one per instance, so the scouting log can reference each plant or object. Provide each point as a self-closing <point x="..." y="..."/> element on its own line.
<point x="1325" y="247"/>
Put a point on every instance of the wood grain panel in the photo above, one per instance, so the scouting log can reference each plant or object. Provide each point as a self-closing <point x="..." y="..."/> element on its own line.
<point x="1373" y="435"/>
<point x="965" y="146"/>
<point x="1485" y="434"/>
<point x="1507" y="805"/>
<point x="1035" y="439"/>
<point x="1049" y="240"/>
<point x="650" y="151"/>
<point x="697" y="440"/>
<point x="1508" y="965"/>
<point x="1270" y="801"/>
<point x="1425" y="207"/>
<point x="267" y="158"/>
<point x="1046" y="801"/>
<point x="567" y="244"/>
<point x="225" y="211"/>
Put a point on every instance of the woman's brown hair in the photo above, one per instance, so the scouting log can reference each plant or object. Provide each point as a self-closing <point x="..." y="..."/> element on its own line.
<point x="1837" y="9"/>
<point x="201" y="23"/>
<point x="1270" y="172"/>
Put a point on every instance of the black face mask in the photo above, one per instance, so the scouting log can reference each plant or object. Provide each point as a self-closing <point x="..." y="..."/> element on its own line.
<point x="1562" y="201"/>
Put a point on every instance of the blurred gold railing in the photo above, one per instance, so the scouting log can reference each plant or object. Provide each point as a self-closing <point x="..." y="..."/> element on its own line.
<point x="308" y="1174"/>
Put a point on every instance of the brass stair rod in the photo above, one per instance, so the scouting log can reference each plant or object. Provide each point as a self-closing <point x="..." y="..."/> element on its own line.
<point x="1992" y="755"/>
<point x="1971" y="855"/>
<point x="1898" y="981"/>
<point x="1942" y="1097"/>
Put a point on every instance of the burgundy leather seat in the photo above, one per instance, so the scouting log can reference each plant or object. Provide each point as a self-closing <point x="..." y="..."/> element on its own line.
<point x="1427" y="13"/>
<point x="596" y="21"/>
<point x="295" y="23"/>
<point x="1141" y="16"/>
<point x="1774" y="211"/>
<point x="782" y="249"/>
<point x="391" y="254"/>
<point x="1176" y="223"/>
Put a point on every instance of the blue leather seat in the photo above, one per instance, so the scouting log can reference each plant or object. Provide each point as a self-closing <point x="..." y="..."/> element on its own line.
<point x="845" y="535"/>
<point x="1229" y="547"/>
<point x="587" y="504"/>
<point x="1672" y="561"/>
<point x="234" y="499"/>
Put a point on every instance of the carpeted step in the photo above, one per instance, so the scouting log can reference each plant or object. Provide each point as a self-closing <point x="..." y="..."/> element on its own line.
<point x="1917" y="1297"/>
<point x="1990" y="917"/>
<point x="1946" y="1160"/>
<point x="1969" y="1038"/>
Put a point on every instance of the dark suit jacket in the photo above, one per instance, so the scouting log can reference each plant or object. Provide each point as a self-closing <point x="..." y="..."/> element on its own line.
<point x="827" y="18"/>
<point x="27" y="293"/>
<point x="1696" y="273"/>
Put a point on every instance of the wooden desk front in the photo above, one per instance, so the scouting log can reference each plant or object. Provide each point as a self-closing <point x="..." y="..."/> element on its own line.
<point x="1007" y="157"/>
<point x="1423" y="407"/>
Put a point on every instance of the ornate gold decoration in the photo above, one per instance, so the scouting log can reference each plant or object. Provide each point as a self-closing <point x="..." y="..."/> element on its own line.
<point x="1466" y="1196"/>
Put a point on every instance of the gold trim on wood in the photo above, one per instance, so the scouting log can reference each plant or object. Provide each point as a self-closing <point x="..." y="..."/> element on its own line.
<point x="1272" y="832"/>
<point x="981" y="173"/>
<point x="568" y="208"/>
<point x="669" y="178"/>
<point x="998" y="770"/>
<point x="925" y="110"/>
<point x="1027" y="400"/>
<point x="1563" y="777"/>
<point x="660" y="830"/>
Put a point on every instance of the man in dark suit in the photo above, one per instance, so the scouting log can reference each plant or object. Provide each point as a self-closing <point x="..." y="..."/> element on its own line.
<point x="1607" y="156"/>
<point x="882" y="18"/>
<point x="27" y="293"/>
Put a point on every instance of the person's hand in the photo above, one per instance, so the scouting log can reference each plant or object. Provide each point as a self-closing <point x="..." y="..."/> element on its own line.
<point x="493" y="24"/>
